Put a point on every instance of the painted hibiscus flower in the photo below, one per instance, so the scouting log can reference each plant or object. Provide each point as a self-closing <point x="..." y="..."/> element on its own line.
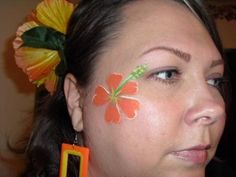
<point x="117" y="96"/>
<point x="39" y="42"/>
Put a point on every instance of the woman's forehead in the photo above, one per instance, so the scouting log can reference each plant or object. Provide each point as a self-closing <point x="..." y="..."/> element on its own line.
<point x="148" y="23"/>
<point x="139" y="9"/>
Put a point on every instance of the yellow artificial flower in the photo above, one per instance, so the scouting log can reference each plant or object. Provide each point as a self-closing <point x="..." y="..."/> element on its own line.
<point x="40" y="63"/>
<point x="55" y="14"/>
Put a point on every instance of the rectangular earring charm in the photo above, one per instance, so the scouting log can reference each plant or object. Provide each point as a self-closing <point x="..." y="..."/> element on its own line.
<point x="82" y="152"/>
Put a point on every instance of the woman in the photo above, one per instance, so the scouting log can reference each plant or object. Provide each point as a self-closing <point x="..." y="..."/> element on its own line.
<point x="167" y="122"/>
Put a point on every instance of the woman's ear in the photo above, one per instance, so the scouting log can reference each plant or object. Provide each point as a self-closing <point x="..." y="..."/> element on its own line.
<point x="73" y="100"/>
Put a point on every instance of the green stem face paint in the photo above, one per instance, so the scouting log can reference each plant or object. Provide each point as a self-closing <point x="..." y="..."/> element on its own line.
<point x="134" y="75"/>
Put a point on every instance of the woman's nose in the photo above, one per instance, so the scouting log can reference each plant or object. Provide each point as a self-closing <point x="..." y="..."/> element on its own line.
<point x="205" y="108"/>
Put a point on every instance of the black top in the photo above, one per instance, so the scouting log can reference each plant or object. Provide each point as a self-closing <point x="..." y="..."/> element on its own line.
<point x="219" y="169"/>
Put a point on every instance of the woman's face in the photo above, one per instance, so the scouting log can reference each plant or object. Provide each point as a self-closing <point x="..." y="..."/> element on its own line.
<point x="181" y="115"/>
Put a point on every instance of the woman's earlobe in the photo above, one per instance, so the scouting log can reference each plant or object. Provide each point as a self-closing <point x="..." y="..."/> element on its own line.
<point x="73" y="98"/>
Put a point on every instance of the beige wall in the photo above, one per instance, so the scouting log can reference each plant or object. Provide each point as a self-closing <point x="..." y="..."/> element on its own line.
<point x="227" y="30"/>
<point x="16" y="93"/>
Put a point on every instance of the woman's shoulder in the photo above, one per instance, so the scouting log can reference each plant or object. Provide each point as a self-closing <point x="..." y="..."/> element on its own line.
<point x="219" y="169"/>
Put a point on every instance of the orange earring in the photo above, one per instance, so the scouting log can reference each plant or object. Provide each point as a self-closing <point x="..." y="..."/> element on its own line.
<point x="82" y="152"/>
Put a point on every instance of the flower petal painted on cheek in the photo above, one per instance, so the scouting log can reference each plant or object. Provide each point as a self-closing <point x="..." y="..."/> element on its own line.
<point x="130" y="88"/>
<point x="114" y="80"/>
<point x="112" y="114"/>
<point x="129" y="106"/>
<point x="101" y="96"/>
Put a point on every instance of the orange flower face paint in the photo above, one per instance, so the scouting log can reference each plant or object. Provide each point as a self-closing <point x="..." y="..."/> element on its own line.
<point x="117" y="96"/>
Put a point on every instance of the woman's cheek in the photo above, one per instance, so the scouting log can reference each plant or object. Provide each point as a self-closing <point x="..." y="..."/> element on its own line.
<point x="154" y="115"/>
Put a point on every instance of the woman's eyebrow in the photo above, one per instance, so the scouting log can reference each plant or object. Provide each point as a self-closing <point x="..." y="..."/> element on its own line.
<point x="217" y="62"/>
<point x="180" y="54"/>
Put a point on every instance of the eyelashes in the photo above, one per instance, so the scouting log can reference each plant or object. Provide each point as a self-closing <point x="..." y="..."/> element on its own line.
<point x="219" y="83"/>
<point x="166" y="76"/>
<point x="173" y="75"/>
<point x="216" y="82"/>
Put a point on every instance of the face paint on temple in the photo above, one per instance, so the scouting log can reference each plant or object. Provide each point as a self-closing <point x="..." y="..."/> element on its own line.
<point x="118" y="96"/>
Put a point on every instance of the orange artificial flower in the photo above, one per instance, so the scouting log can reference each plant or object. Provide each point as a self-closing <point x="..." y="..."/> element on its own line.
<point x="117" y="102"/>
<point x="40" y="63"/>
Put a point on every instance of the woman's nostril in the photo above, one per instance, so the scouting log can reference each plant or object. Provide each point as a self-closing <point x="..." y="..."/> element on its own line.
<point x="205" y="113"/>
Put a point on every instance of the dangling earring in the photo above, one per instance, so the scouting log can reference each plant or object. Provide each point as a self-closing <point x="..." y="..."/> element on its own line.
<point x="82" y="152"/>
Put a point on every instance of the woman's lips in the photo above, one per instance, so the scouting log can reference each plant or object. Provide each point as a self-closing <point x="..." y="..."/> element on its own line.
<point x="196" y="154"/>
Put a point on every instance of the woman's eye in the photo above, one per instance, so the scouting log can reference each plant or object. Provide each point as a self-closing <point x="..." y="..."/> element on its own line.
<point x="217" y="82"/>
<point x="167" y="76"/>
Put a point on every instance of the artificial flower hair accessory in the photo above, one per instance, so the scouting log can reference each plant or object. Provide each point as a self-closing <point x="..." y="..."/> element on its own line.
<point x="39" y="43"/>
